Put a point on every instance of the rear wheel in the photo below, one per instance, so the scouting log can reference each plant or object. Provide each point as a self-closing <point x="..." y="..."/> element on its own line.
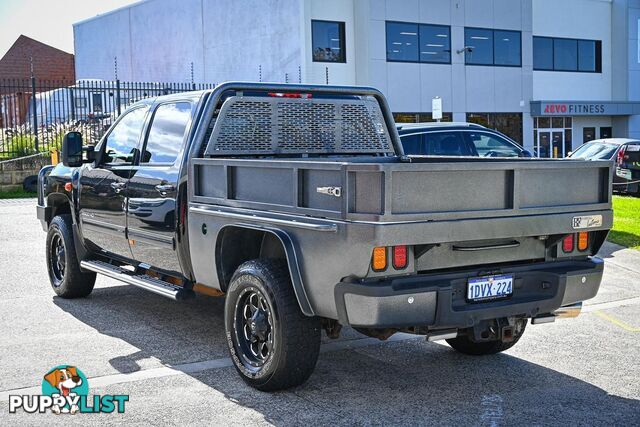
<point x="464" y="344"/>
<point x="67" y="280"/>
<point x="273" y="345"/>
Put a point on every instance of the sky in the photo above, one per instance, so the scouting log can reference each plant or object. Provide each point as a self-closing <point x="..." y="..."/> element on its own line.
<point x="48" y="21"/>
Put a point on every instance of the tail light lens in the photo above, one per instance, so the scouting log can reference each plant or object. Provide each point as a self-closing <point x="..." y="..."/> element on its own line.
<point x="567" y="243"/>
<point x="621" y="153"/>
<point x="379" y="259"/>
<point x="583" y="241"/>
<point x="399" y="257"/>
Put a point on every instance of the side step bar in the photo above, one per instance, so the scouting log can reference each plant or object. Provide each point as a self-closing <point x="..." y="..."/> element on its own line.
<point x="143" y="281"/>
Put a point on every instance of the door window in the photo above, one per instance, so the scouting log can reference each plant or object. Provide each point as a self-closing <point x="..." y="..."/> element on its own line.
<point x="96" y="99"/>
<point x="412" y="144"/>
<point x="122" y="142"/>
<point x="446" y="144"/>
<point x="166" y="134"/>
<point x="488" y="145"/>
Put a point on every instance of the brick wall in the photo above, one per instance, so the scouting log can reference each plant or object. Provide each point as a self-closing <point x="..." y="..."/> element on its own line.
<point x="49" y="63"/>
<point x="13" y="172"/>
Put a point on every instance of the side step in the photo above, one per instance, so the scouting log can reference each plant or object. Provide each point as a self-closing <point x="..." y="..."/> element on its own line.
<point x="143" y="281"/>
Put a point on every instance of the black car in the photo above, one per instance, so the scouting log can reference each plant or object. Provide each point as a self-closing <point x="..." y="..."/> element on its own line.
<point x="457" y="139"/>
<point x="625" y="152"/>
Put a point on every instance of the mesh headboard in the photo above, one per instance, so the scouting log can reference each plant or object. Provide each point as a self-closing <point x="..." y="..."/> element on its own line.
<point x="275" y="125"/>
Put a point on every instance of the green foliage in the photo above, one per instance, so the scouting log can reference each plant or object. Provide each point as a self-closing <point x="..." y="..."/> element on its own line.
<point x="626" y="221"/>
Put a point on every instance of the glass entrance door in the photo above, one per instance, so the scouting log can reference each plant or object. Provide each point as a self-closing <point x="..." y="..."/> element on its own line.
<point x="550" y="144"/>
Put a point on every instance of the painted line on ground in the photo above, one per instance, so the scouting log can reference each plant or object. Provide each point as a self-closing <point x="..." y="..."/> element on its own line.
<point x="611" y="304"/>
<point x="194" y="367"/>
<point x="616" y="321"/>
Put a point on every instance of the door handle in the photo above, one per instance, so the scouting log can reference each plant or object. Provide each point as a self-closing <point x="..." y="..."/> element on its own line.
<point x="163" y="189"/>
<point x="118" y="186"/>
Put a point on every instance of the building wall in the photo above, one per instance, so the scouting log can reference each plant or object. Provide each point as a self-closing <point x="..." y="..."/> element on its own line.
<point x="578" y="19"/>
<point x="158" y="40"/>
<point x="48" y="62"/>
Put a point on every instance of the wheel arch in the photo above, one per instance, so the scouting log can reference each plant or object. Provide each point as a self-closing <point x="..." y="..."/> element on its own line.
<point x="238" y="243"/>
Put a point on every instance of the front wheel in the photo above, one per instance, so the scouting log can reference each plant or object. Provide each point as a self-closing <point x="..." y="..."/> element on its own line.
<point x="67" y="280"/>
<point x="273" y="345"/>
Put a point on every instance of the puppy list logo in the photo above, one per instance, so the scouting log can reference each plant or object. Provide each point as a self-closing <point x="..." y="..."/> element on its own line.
<point x="65" y="390"/>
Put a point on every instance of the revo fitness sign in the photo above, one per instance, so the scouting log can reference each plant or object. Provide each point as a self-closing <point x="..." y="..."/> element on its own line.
<point x="583" y="108"/>
<point x="573" y="109"/>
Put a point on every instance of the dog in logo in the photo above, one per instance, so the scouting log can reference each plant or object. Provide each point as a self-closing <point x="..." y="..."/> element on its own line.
<point x="64" y="379"/>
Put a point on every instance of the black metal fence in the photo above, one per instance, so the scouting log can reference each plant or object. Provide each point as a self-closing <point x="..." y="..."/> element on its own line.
<point x="35" y="114"/>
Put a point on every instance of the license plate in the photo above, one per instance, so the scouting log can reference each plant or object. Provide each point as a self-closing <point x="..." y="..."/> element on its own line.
<point x="489" y="287"/>
<point x="623" y="173"/>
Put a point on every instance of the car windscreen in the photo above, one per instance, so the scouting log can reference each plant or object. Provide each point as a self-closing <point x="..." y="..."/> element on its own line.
<point x="595" y="151"/>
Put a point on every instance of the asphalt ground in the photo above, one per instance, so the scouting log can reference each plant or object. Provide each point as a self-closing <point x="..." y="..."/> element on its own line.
<point x="171" y="359"/>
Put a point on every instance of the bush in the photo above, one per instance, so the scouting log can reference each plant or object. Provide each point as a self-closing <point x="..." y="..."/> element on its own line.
<point x="21" y="145"/>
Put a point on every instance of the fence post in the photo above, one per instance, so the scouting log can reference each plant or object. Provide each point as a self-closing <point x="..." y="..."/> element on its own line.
<point x="35" y="111"/>
<point x="118" y="96"/>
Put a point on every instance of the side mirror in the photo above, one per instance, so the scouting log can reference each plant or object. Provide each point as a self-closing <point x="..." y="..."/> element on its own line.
<point x="525" y="153"/>
<point x="569" y="153"/>
<point x="72" y="150"/>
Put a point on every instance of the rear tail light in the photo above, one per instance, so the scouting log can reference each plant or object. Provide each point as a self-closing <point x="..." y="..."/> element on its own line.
<point x="621" y="153"/>
<point x="399" y="257"/>
<point x="379" y="259"/>
<point x="567" y="243"/>
<point x="583" y="241"/>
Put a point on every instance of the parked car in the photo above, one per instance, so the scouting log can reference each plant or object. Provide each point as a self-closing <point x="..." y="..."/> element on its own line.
<point x="457" y="139"/>
<point x="297" y="205"/>
<point x="626" y="154"/>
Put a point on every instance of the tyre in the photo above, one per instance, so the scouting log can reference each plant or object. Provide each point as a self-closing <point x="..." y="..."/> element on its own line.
<point x="272" y="344"/>
<point x="465" y="345"/>
<point x="67" y="280"/>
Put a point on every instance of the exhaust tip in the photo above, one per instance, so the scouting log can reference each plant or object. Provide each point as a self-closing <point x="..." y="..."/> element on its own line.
<point x="568" y="311"/>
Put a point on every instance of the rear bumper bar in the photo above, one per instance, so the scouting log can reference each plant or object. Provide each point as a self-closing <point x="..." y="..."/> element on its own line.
<point x="439" y="300"/>
<point x="44" y="215"/>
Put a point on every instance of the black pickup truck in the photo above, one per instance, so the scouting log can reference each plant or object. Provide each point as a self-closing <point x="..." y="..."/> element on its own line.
<point x="298" y="205"/>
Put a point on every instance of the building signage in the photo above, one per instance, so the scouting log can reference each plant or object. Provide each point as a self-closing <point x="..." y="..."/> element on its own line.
<point x="571" y="109"/>
<point x="584" y="108"/>
<point x="436" y="108"/>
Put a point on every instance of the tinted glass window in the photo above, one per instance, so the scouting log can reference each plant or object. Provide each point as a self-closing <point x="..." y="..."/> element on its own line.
<point x="542" y="53"/>
<point x="586" y="55"/>
<point x="402" y="42"/>
<point x="565" y="55"/>
<point x="446" y="144"/>
<point x="435" y="45"/>
<point x="327" y="40"/>
<point x="122" y="142"/>
<point x="480" y="46"/>
<point x="166" y="135"/>
<point x="488" y="145"/>
<point x="595" y="151"/>
<point x="412" y="144"/>
<point x="506" y="47"/>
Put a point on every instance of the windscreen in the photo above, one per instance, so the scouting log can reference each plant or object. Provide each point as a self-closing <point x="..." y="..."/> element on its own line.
<point x="595" y="151"/>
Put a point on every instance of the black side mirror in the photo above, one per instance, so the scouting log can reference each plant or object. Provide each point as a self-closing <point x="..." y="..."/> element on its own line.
<point x="72" y="149"/>
<point x="525" y="153"/>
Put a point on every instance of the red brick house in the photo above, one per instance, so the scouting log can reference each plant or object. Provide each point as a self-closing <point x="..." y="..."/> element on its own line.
<point x="49" y="64"/>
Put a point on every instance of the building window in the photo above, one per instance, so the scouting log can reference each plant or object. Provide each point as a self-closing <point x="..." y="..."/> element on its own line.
<point x="559" y="54"/>
<point x="408" y="42"/>
<point x="588" y="134"/>
<point x="606" y="132"/>
<point x="509" y="124"/>
<point x="492" y="47"/>
<point x="420" y="117"/>
<point x="327" y="40"/>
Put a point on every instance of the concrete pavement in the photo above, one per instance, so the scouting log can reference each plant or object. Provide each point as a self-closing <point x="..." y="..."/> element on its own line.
<point x="171" y="358"/>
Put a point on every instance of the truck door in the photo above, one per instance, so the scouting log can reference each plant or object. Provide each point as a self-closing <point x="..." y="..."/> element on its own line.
<point x="102" y="199"/>
<point x="152" y="189"/>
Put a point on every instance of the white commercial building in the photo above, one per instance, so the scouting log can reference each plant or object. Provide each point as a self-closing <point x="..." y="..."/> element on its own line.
<point x="549" y="73"/>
